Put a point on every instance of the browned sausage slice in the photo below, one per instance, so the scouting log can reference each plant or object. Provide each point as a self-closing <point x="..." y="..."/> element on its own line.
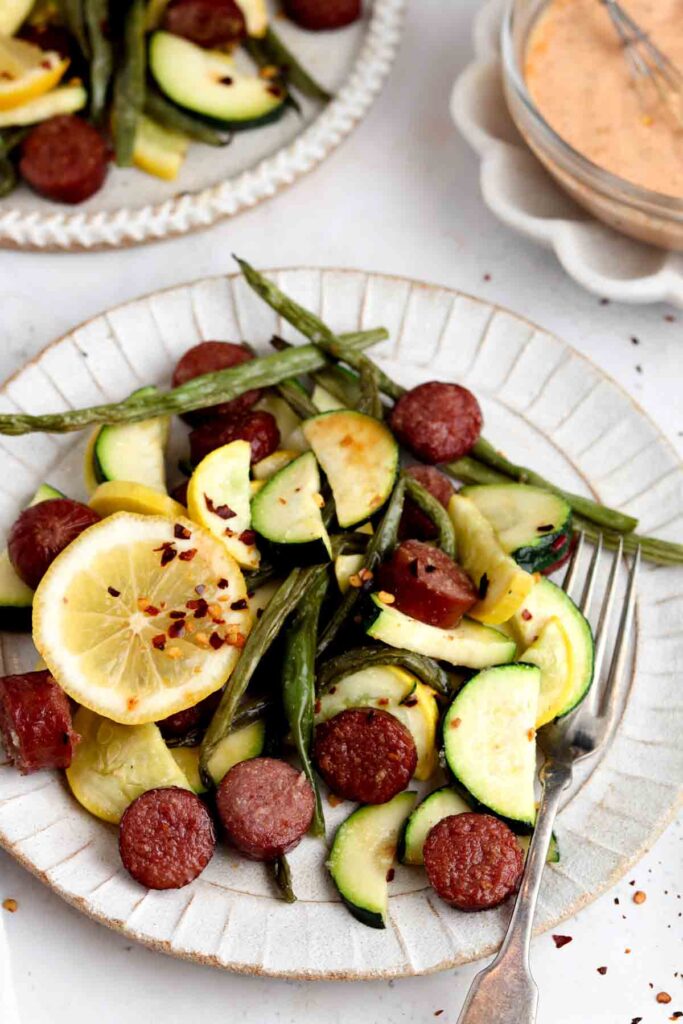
<point x="365" y="754"/>
<point x="209" y="23"/>
<point x="208" y="357"/>
<point x="35" y="722"/>
<point x="427" y="584"/>
<point x="259" y="428"/>
<point x="415" y="523"/>
<point x="321" y="15"/>
<point x="65" y="159"/>
<point x="42" y="531"/>
<point x="473" y="861"/>
<point x="185" y="723"/>
<point x="438" y="422"/>
<point x="166" y="838"/>
<point x="266" y="807"/>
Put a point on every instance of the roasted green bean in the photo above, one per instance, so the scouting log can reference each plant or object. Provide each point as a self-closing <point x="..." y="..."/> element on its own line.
<point x="282" y="876"/>
<point x="426" y="669"/>
<point x="433" y="508"/>
<point x="129" y="84"/>
<point x="175" y="119"/>
<point x="298" y="682"/>
<point x="271" y="51"/>
<point x="96" y="13"/>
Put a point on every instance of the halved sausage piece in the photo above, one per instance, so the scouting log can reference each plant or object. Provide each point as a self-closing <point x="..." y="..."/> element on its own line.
<point x="427" y="584"/>
<point x="473" y="861"/>
<point x="166" y="838"/>
<point x="208" y="357"/>
<point x="257" y="427"/>
<point x="266" y="807"/>
<point x="42" y="531"/>
<point x="438" y="422"/>
<point x="35" y="722"/>
<point x="208" y="23"/>
<point x="365" y="754"/>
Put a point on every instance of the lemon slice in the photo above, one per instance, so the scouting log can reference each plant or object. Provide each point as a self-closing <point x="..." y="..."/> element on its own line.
<point x="26" y="72"/>
<point x="114" y="764"/>
<point x="124" y="496"/>
<point x="141" y="617"/>
<point x="552" y="653"/>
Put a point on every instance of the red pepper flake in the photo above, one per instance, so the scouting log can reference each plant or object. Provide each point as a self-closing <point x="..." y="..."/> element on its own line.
<point x="216" y="641"/>
<point x="187" y="556"/>
<point x="248" y="537"/>
<point x="410" y="702"/>
<point x="383" y="701"/>
<point x="559" y="542"/>
<point x="159" y="642"/>
<point x="636" y="1020"/>
<point x="526" y="615"/>
<point x="113" y="592"/>
<point x="334" y="801"/>
<point x="177" y="615"/>
<point x="222" y="584"/>
<point x="222" y="511"/>
<point x="226" y="80"/>
<point x="437" y="1013"/>
<point x="10" y="905"/>
<point x="561" y="940"/>
<point x="238" y="606"/>
<point x="200" y="608"/>
<point x="676" y="1015"/>
<point x="487" y="277"/>
<point x="168" y="552"/>
<point x="391" y="874"/>
<point x="234" y="638"/>
<point x="176" y="629"/>
<point x="663" y="997"/>
<point x="456" y="723"/>
<point x="546" y="528"/>
<point x="639" y="897"/>
<point x="601" y="970"/>
<point x="151" y="610"/>
<point x="181" y="532"/>
<point x="483" y="588"/>
<point x="274" y="91"/>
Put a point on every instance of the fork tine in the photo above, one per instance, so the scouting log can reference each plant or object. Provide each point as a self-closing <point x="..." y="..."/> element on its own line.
<point x="573" y="563"/>
<point x="606" y="612"/>
<point x="589" y="585"/>
<point x="616" y="670"/>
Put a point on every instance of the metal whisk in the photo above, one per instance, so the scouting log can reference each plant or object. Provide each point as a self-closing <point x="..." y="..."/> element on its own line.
<point x="656" y="78"/>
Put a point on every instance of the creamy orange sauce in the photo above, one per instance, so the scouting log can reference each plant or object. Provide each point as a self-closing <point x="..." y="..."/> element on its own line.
<point x="579" y="79"/>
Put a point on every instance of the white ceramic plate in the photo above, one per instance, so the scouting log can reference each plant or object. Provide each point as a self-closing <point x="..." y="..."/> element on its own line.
<point x="134" y="207"/>
<point x="519" y="191"/>
<point x="549" y="406"/>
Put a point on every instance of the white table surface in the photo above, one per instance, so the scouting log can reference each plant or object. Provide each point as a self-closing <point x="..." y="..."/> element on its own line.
<point x="400" y="196"/>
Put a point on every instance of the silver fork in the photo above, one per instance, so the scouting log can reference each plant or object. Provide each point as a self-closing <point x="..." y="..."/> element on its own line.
<point x="505" y="992"/>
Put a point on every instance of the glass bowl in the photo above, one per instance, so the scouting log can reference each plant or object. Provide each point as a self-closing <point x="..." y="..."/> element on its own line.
<point x="635" y="211"/>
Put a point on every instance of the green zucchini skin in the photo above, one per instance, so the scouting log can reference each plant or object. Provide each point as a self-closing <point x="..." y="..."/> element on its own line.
<point x="540" y="548"/>
<point x="285" y="513"/>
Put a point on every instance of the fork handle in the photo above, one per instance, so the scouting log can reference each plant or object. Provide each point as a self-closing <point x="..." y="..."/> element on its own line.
<point x="505" y="992"/>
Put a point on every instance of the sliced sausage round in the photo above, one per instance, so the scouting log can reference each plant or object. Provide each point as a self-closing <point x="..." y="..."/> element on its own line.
<point x="42" y="531"/>
<point x="259" y="428"/>
<point x="427" y="584"/>
<point x="35" y="722"/>
<point x="65" y="159"/>
<point x="266" y="807"/>
<point x="321" y="15"/>
<point x="414" y="522"/>
<point x="166" y="838"/>
<point x="365" y="754"/>
<point x="208" y="357"/>
<point x="473" y="861"/>
<point x="208" y="23"/>
<point x="191" y="720"/>
<point x="438" y="422"/>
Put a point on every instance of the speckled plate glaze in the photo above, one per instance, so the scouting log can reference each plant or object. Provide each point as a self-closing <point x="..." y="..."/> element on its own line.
<point x="519" y="191"/>
<point x="214" y="183"/>
<point x="544" y="403"/>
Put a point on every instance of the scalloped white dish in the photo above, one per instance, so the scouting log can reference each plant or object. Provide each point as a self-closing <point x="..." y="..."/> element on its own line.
<point x="550" y="404"/>
<point x="524" y="196"/>
<point x="215" y="183"/>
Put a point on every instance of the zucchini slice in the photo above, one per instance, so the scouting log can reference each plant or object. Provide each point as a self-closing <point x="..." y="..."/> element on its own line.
<point x="547" y="601"/>
<point x="209" y="83"/>
<point x="114" y="764"/>
<point x="468" y="645"/>
<point x="362" y="853"/>
<point x="552" y="653"/>
<point x="360" y="458"/>
<point x="489" y="739"/>
<point x="16" y="599"/>
<point x="187" y="759"/>
<point x="219" y="496"/>
<point x="378" y="686"/>
<point x="288" y="510"/>
<point x="502" y="584"/>
<point x="133" y="452"/>
<point x="237" y="746"/>
<point x="442" y="803"/>
<point x="532" y="525"/>
<point x="324" y="400"/>
<point x="420" y="715"/>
